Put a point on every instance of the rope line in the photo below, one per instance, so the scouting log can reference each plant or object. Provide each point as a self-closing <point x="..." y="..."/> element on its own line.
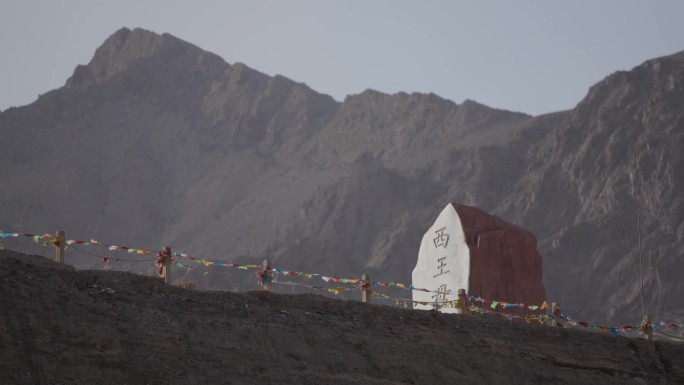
<point x="356" y="284"/>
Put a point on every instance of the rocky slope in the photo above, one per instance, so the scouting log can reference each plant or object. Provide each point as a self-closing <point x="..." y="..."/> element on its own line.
<point x="62" y="326"/>
<point x="156" y="141"/>
<point x="619" y="153"/>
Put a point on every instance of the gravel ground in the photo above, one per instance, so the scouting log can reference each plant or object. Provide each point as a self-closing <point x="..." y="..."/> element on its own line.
<point x="62" y="326"/>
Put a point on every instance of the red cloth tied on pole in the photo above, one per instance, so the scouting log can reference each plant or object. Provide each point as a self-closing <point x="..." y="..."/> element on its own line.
<point x="265" y="276"/>
<point x="162" y="257"/>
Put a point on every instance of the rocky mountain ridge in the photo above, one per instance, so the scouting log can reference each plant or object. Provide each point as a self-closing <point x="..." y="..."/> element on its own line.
<point x="156" y="141"/>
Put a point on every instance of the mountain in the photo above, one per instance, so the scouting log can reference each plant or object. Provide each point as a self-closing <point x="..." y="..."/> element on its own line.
<point x="109" y="327"/>
<point x="619" y="153"/>
<point x="158" y="142"/>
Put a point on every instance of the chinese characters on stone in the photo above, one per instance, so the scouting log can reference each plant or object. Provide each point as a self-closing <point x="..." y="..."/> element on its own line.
<point x="440" y="267"/>
<point x="441" y="294"/>
<point x="442" y="239"/>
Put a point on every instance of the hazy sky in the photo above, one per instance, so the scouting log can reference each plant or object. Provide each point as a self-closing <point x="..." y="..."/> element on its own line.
<point x="521" y="55"/>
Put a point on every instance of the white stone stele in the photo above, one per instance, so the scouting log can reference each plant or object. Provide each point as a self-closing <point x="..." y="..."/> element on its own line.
<point x="443" y="262"/>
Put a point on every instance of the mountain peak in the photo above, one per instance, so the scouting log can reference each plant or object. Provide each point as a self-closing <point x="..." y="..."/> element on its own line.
<point x="659" y="80"/>
<point x="121" y="35"/>
<point x="126" y="46"/>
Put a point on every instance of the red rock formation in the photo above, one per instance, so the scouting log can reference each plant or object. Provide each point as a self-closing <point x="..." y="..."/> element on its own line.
<point x="504" y="262"/>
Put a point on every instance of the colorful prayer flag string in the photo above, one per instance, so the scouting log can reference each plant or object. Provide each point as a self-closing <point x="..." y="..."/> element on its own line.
<point x="52" y="240"/>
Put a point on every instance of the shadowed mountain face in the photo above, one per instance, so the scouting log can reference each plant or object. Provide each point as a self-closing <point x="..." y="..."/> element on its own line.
<point x="157" y="142"/>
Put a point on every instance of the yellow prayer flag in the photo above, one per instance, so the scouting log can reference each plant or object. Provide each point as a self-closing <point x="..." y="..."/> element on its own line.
<point x="337" y="290"/>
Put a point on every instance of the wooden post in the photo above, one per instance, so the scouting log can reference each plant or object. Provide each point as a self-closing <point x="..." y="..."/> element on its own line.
<point x="60" y="246"/>
<point x="646" y="328"/>
<point x="267" y="277"/>
<point x="167" y="272"/>
<point x="366" y="289"/>
<point x="462" y="301"/>
<point x="555" y="313"/>
<point x="167" y="264"/>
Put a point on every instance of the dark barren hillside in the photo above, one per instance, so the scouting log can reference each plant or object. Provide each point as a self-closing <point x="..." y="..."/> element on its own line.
<point x="156" y="141"/>
<point x="61" y="326"/>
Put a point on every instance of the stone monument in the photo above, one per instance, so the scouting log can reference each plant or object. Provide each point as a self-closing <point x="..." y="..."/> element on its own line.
<point x="467" y="248"/>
